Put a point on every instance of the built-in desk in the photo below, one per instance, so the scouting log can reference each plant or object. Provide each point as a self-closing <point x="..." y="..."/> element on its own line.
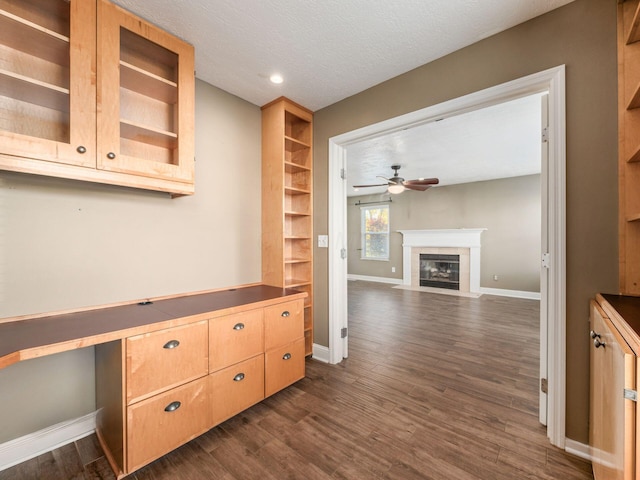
<point x="168" y="369"/>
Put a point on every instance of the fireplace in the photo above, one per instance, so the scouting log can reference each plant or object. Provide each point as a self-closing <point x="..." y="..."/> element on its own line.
<point x="458" y="250"/>
<point x="440" y="271"/>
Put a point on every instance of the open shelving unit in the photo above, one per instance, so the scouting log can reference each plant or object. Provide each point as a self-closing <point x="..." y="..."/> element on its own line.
<point x="629" y="147"/>
<point x="287" y="202"/>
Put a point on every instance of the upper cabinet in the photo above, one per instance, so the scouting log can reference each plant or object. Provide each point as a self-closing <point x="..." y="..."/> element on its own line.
<point x="91" y="92"/>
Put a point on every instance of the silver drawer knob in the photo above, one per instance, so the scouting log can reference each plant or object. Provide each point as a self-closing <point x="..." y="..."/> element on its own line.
<point x="238" y="326"/>
<point x="286" y="356"/>
<point x="285" y="313"/>
<point x="172" y="407"/>
<point x="171" y="344"/>
<point x="239" y="377"/>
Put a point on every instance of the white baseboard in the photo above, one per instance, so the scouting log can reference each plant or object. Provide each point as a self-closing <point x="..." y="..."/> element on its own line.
<point x="321" y="353"/>
<point x="367" y="278"/>
<point x="29" y="446"/>
<point x="578" y="449"/>
<point x="510" y="293"/>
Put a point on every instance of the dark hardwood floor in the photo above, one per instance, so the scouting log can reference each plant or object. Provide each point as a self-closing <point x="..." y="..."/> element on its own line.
<point x="435" y="387"/>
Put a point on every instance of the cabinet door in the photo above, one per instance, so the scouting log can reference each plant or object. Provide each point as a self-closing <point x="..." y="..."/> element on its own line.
<point x="236" y="388"/>
<point x="612" y="416"/>
<point x="283" y="323"/>
<point x="146" y="98"/>
<point x="234" y="338"/>
<point x="47" y="84"/>
<point x="163" y="359"/>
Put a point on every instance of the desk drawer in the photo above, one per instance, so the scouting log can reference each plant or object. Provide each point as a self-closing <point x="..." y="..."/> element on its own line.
<point x="283" y="323"/>
<point x="159" y="424"/>
<point x="236" y="388"/>
<point x="234" y="338"/>
<point x="164" y="359"/>
<point x="283" y="366"/>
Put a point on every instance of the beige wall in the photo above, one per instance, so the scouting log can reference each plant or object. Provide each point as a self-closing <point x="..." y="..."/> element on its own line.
<point x="68" y="244"/>
<point x="581" y="35"/>
<point x="508" y="208"/>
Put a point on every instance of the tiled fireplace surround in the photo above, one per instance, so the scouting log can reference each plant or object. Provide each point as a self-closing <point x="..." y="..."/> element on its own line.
<point x="460" y="241"/>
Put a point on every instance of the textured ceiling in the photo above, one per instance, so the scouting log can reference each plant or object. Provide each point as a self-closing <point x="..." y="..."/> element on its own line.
<point x="326" y="50"/>
<point x="500" y="141"/>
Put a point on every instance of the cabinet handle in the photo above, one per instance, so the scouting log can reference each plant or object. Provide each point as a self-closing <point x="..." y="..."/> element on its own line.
<point x="285" y="313"/>
<point x="286" y="356"/>
<point x="597" y="343"/>
<point x="111" y="155"/>
<point x="238" y="326"/>
<point x="239" y="377"/>
<point x="171" y="344"/>
<point x="172" y="407"/>
<point x="594" y="334"/>
<point x="81" y="149"/>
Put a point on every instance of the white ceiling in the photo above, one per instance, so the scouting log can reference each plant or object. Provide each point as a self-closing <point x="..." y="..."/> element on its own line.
<point x="326" y="50"/>
<point x="500" y="141"/>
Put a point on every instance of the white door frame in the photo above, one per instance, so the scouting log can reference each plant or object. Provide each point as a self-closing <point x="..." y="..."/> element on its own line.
<point x="552" y="80"/>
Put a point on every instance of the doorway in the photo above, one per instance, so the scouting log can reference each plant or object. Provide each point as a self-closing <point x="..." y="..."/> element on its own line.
<point x="553" y="335"/>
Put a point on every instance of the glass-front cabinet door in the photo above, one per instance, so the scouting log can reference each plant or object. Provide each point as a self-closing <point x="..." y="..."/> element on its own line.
<point x="47" y="82"/>
<point x="145" y="98"/>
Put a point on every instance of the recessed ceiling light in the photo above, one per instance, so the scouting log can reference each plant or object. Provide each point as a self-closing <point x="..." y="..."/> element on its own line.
<point x="276" y="78"/>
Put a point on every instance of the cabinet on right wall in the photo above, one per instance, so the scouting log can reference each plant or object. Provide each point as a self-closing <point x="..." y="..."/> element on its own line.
<point x="287" y="202"/>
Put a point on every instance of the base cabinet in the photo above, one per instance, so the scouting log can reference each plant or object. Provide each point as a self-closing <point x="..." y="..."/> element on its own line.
<point x="176" y="383"/>
<point x="613" y="385"/>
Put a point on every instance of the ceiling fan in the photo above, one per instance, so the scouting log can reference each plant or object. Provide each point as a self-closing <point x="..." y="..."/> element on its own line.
<point x="397" y="184"/>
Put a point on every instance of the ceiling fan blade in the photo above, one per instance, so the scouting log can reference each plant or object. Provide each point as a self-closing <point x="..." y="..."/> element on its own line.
<point x="390" y="180"/>
<point x="420" y="188"/>
<point x="375" y="185"/>
<point x="424" y="181"/>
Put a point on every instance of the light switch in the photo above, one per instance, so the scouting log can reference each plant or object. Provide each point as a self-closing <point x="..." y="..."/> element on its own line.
<point x="323" y="241"/>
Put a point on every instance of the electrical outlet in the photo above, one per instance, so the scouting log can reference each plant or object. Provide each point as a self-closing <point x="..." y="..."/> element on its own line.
<point x="323" y="241"/>
<point x="495" y="278"/>
<point x="393" y="269"/>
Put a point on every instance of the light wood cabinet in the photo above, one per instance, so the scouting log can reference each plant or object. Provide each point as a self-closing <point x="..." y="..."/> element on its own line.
<point x="159" y="389"/>
<point x="287" y="202"/>
<point x="110" y="104"/>
<point x="612" y="419"/>
<point x="629" y="145"/>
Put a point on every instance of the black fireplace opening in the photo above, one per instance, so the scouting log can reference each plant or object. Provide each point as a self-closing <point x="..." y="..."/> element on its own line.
<point x="440" y="271"/>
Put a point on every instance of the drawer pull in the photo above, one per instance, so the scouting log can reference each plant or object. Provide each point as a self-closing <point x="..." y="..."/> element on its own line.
<point x="238" y="326"/>
<point x="239" y="377"/>
<point x="286" y="356"/>
<point x="171" y="344"/>
<point x="285" y="313"/>
<point x="172" y="407"/>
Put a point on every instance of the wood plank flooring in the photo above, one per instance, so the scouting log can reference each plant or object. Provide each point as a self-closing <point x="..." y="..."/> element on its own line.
<point x="435" y="387"/>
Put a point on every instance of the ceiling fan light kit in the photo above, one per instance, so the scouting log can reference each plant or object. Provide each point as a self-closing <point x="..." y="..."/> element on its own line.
<point x="397" y="184"/>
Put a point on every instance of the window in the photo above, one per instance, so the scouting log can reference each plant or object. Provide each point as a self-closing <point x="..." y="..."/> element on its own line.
<point x="375" y="232"/>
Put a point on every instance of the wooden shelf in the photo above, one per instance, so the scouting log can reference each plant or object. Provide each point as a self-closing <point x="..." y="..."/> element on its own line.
<point x="148" y="135"/>
<point x="146" y="83"/>
<point x="297" y="214"/>
<point x="633" y="218"/>
<point x="292" y="144"/>
<point x="634" y="31"/>
<point x="25" y="36"/>
<point x="33" y="91"/>
<point x="296" y="282"/>
<point x="295" y="191"/>
<point x="297" y="260"/>
<point x="291" y="167"/>
<point x="635" y="157"/>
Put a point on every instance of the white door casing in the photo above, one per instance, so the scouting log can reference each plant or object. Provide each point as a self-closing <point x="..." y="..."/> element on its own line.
<point x="551" y="80"/>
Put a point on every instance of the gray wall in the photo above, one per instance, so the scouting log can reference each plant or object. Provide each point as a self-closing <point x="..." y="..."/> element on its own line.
<point x="580" y="35"/>
<point x="508" y="208"/>
<point x="68" y="244"/>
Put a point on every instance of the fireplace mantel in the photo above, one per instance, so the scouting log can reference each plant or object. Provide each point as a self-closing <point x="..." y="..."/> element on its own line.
<point x="468" y="238"/>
